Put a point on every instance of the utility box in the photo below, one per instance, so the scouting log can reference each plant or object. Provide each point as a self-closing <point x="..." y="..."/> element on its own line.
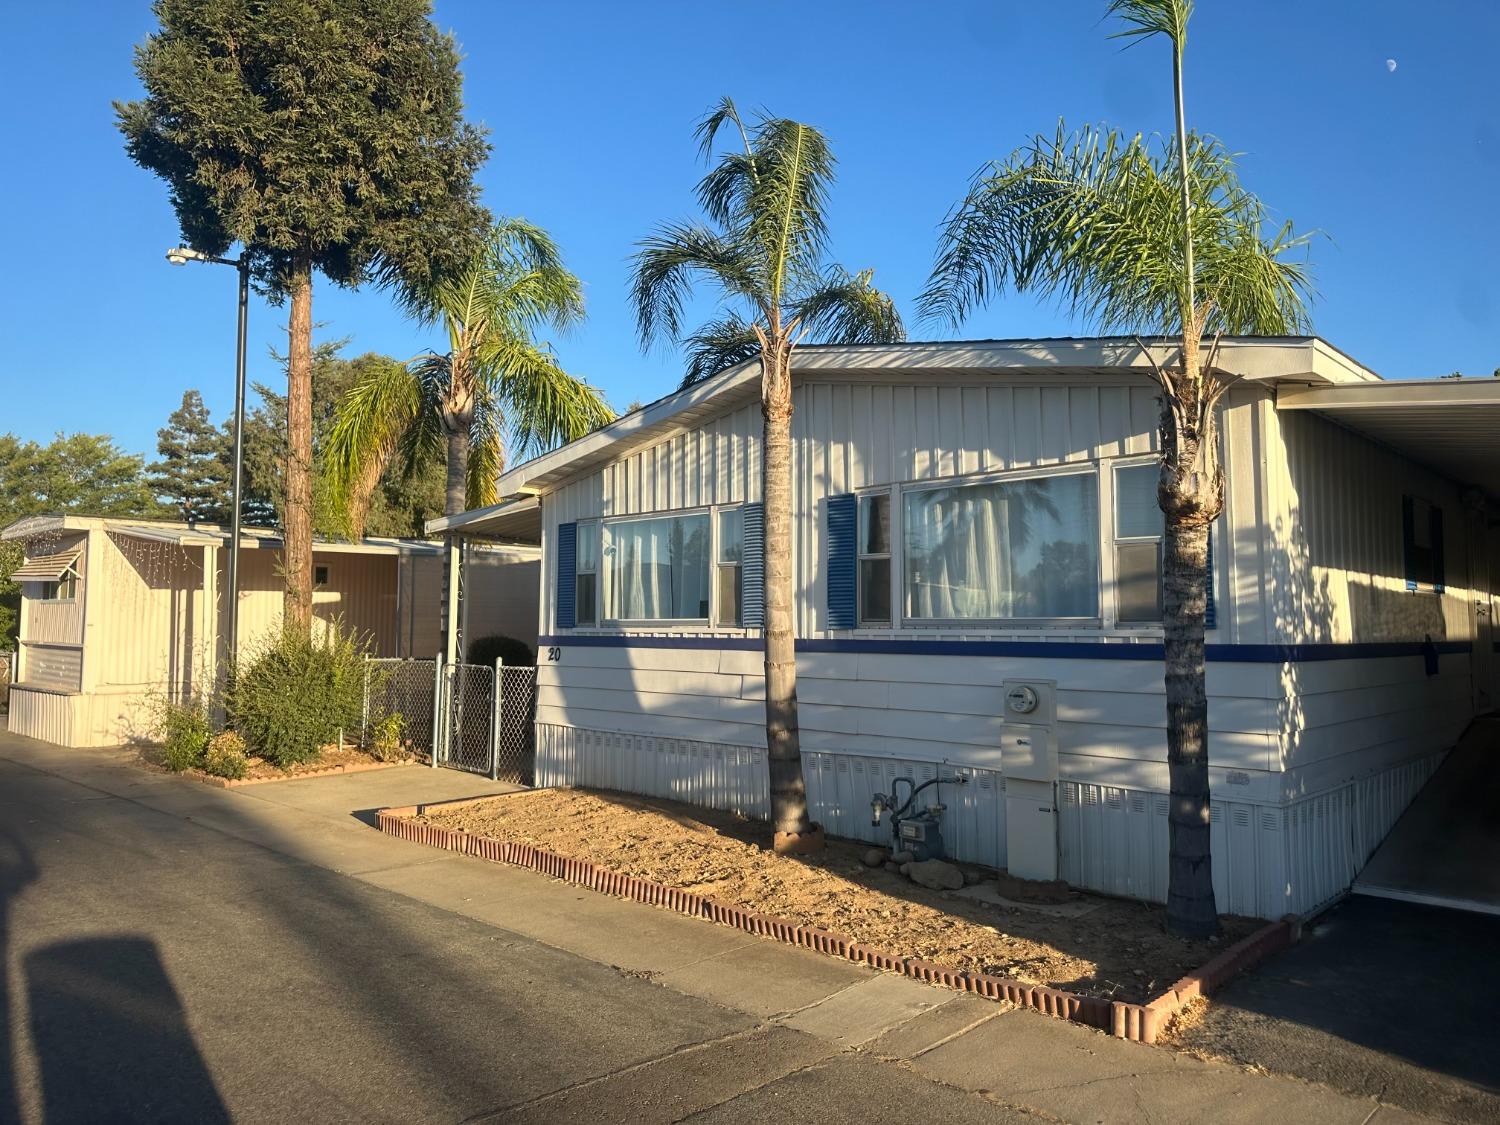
<point x="1028" y="760"/>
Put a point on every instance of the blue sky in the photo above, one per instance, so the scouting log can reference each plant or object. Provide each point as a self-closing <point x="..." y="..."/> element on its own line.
<point x="591" y="107"/>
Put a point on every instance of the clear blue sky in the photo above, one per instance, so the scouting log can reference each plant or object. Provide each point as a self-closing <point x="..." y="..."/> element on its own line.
<point x="591" y="106"/>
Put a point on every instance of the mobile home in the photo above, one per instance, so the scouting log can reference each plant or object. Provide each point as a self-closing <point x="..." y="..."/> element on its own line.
<point x="971" y="518"/>
<point x="117" y="613"/>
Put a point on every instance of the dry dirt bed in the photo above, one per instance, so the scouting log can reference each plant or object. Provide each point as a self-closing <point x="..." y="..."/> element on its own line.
<point x="261" y="770"/>
<point x="1120" y="950"/>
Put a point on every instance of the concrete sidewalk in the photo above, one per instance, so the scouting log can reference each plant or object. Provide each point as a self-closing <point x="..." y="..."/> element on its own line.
<point x="313" y="967"/>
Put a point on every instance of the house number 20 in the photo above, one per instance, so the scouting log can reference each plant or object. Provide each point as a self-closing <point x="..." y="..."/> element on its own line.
<point x="554" y="654"/>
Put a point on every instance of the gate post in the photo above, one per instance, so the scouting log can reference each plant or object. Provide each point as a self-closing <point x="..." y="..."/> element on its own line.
<point x="364" y="723"/>
<point x="496" y="718"/>
<point x="437" y="708"/>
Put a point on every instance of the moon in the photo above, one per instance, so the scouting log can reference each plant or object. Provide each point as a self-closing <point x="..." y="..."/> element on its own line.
<point x="1390" y="66"/>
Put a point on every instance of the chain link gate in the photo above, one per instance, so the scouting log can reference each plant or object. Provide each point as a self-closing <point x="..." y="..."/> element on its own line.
<point x="403" y="687"/>
<point x="468" y="699"/>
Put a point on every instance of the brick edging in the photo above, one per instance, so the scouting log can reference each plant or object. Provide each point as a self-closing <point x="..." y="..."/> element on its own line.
<point x="1141" y="1022"/>
<point x="235" y="783"/>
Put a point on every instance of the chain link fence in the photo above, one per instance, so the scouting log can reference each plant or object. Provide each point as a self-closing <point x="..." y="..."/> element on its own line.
<point x="468" y="704"/>
<point x="403" y="687"/>
<point x="515" y="738"/>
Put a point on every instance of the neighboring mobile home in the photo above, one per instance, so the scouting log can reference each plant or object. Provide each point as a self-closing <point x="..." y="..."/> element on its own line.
<point x="972" y="517"/>
<point x="118" y="613"/>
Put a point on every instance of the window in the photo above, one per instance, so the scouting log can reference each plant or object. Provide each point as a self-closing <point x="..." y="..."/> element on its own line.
<point x="729" y="591"/>
<point x="875" y="559"/>
<point x="65" y="589"/>
<point x="657" y="569"/>
<point x="586" y="576"/>
<point x="1018" y="548"/>
<point x="1422" y="531"/>
<point x="320" y="576"/>
<point x="1138" y="545"/>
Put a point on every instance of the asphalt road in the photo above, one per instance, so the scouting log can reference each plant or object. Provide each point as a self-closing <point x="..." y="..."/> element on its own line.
<point x="1385" y="999"/>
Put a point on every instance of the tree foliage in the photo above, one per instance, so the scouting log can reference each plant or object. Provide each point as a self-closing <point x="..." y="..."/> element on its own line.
<point x="193" y="477"/>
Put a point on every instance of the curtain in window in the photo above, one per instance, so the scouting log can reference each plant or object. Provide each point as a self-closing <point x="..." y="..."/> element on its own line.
<point x="1009" y="549"/>
<point x="658" y="569"/>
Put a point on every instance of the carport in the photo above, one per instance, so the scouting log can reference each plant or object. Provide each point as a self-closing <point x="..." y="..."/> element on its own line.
<point x="1445" y="849"/>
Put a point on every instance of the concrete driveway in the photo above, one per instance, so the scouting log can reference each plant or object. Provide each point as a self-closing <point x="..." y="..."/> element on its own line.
<point x="173" y="952"/>
<point x="1387" y="999"/>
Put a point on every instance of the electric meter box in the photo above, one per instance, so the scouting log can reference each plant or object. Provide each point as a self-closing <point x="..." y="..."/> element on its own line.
<point x="1030" y="701"/>
<point x="1028" y="753"/>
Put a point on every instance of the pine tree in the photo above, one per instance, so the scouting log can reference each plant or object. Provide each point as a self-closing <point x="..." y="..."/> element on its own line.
<point x="194" y="471"/>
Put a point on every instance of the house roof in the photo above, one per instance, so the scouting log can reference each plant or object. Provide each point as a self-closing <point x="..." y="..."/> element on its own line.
<point x="204" y="535"/>
<point x="1450" y="425"/>
<point x="1303" y="359"/>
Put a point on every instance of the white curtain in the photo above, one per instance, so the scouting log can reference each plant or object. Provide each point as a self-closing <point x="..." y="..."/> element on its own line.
<point x="658" y="569"/>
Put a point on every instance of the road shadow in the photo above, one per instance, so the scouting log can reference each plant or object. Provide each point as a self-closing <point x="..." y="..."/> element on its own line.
<point x="111" y="1036"/>
<point x="17" y="869"/>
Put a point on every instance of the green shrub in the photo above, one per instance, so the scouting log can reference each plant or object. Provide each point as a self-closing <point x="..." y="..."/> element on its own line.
<point x="184" y="732"/>
<point x="226" y="757"/>
<point x="383" y="739"/>
<point x="293" y="697"/>
<point x="486" y="650"/>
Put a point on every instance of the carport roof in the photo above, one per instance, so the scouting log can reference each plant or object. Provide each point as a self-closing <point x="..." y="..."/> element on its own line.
<point x="1450" y="425"/>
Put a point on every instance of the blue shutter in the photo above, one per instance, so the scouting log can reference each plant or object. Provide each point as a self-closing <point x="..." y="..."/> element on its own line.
<point x="1408" y="540"/>
<point x="843" y="561"/>
<point x="1435" y="530"/>
<point x="753" y="568"/>
<point x="567" y="576"/>
<point x="1210" y="608"/>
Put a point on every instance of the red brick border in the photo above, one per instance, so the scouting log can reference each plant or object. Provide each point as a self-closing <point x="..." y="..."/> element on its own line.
<point x="1141" y="1022"/>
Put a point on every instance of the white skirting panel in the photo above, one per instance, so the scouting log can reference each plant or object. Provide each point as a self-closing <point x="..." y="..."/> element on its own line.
<point x="734" y="778"/>
<point x="1268" y="861"/>
<point x="44" y="715"/>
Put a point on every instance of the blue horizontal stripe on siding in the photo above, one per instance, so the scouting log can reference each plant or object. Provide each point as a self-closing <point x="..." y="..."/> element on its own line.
<point x="1057" y="650"/>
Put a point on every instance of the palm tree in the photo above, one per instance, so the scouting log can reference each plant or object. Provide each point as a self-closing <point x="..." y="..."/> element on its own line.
<point x="496" y="390"/>
<point x="763" y="248"/>
<point x="1150" y="239"/>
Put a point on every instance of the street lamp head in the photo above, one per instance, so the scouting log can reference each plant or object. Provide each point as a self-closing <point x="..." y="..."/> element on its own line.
<point x="182" y="255"/>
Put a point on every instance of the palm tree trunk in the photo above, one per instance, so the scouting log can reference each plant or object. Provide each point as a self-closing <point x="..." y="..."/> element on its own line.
<point x="297" y="553"/>
<point x="783" y="743"/>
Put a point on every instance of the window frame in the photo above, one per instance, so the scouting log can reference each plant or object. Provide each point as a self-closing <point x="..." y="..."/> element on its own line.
<point x="1114" y="539"/>
<point x="1437" y="582"/>
<point x="69" y="578"/>
<point x="327" y="575"/>
<point x="717" y="566"/>
<point x="1038" y="472"/>
<point x="892" y="495"/>
<point x="582" y="528"/>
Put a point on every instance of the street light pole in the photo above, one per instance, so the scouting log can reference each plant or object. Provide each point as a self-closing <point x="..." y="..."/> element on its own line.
<point x="181" y="256"/>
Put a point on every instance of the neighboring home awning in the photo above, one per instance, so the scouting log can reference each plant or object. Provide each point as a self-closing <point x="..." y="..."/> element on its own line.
<point x="177" y="537"/>
<point x="520" y="520"/>
<point x="46" y="568"/>
<point x="1450" y="425"/>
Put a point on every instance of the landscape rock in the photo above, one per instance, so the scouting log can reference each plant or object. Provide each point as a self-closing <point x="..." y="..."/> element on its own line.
<point x="936" y="874"/>
<point x="973" y="878"/>
<point x="873" y="858"/>
<point x="904" y="868"/>
<point x="904" y="857"/>
<point x="893" y="868"/>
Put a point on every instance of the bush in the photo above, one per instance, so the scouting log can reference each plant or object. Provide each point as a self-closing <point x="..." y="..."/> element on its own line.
<point x="184" y="732"/>
<point x="383" y="739"/>
<point x="486" y="650"/>
<point x="225" y="756"/>
<point x="294" y="696"/>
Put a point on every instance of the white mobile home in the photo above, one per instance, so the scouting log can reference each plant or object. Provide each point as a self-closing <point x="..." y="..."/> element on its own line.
<point x="118" y="613"/>
<point x="973" y="516"/>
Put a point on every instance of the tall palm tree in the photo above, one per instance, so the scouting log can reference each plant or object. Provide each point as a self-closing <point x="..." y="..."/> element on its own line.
<point x="1156" y="240"/>
<point x="495" y="391"/>
<point x="763" y="249"/>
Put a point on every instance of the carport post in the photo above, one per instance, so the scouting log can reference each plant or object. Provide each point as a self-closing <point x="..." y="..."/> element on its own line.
<point x="495" y="714"/>
<point x="453" y="545"/>
<point x="439" y="720"/>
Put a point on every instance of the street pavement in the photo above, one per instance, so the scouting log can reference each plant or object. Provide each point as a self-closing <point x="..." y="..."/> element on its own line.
<point x="174" y="952"/>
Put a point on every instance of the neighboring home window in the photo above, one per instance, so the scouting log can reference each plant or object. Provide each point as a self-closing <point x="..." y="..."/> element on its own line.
<point x="320" y="576"/>
<point x="586" y="576"/>
<point x="656" y="569"/>
<point x="1138" y="542"/>
<point x="1422" y="531"/>
<point x="730" y="554"/>
<point x="875" y="559"/>
<point x="1001" y="550"/>
<point x="65" y="589"/>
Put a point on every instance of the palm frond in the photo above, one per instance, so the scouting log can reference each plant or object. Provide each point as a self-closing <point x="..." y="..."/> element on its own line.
<point x="486" y="453"/>
<point x="787" y="207"/>
<point x="718" y="346"/>
<point x="366" y="433"/>
<point x="545" y="405"/>
<point x="847" y="309"/>
<point x="667" y="264"/>
<point x="1094" y="219"/>
<point x="1153" y="17"/>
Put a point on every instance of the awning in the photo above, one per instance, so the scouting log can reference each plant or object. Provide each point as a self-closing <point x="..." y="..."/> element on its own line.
<point x="46" y="568"/>
<point x="519" y="520"/>
<point x="1449" y="425"/>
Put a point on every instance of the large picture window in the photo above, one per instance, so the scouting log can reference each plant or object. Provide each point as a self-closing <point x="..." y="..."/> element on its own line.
<point x="1019" y="548"/>
<point x="657" y="569"/>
